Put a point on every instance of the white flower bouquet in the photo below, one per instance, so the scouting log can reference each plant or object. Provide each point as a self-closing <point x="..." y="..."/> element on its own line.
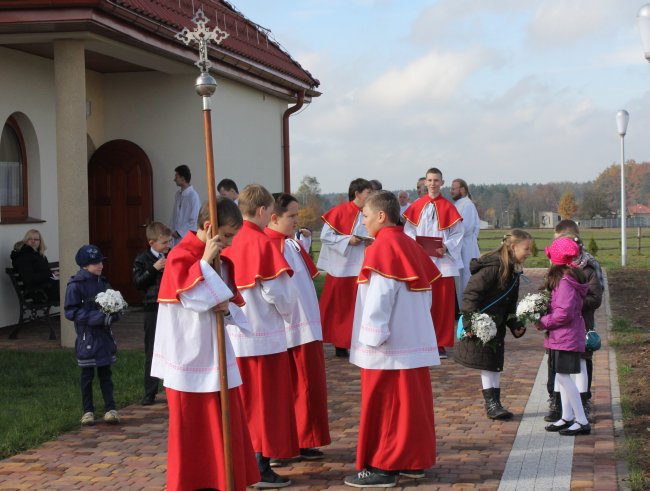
<point x="481" y="326"/>
<point x="110" y="302"/>
<point x="532" y="307"/>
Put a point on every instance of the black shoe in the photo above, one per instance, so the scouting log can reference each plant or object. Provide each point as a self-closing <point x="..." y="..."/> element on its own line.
<point x="493" y="409"/>
<point x="413" y="473"/>
<point x="371" y="479"/>
<point x="342" y="352"/>
<point x="555" y="428"/>
<point x="148" y="401"/>
<point x="271" y="480"/>
<point x="580" y="430"/>
<point x="311" y="454"/>
<point x="554" y="408"/>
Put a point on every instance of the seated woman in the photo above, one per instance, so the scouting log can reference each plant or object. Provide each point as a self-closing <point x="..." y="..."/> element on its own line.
<point x="30" y="263"/>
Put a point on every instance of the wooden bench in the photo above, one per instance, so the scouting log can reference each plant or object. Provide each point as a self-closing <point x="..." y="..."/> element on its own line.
<point x="34" y="303"/>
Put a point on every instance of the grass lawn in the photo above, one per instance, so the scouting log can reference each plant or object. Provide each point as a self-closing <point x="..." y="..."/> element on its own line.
<point x="41" y="397"/>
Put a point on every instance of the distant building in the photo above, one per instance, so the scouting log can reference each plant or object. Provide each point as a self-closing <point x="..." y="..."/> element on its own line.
<point x="548" y="219"/>
<point x="638" y="210"/>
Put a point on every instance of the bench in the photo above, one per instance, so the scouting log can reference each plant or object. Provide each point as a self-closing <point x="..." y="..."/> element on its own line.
<point x="34" y="303"/>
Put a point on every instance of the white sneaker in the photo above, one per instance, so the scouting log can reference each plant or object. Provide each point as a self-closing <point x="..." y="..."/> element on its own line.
<point x="111" y="417"/>
<point x="88" y="419"/>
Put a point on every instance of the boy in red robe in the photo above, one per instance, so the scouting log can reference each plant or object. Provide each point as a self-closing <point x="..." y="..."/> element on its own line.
<point x="434" y="216"/>
<point x="262" y="274"/>
<point x="185" y="357"/>
<point x="342" y="246"/>
<point x="394" y="343"/>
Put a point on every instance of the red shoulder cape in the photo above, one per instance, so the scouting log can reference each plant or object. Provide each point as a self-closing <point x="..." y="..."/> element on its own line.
<point x="395" y="255"/>
<point x="255" y="256"/>
<point x="183" y="271"/>
<point x="278" y="240"/>
<point x="446" y="212"/>
<point x="342" y="217"/>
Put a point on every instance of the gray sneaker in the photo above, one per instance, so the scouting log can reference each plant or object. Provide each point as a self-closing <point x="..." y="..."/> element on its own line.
<point x="371" y="479"/>
<point x="88" y="419"/>
<point x="111" y="417"/>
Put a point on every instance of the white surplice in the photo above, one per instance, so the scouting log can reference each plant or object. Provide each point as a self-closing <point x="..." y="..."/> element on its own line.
<point x="469" y="249"/>
<point x="392" y="327"/>
<point x="337" y="256"/>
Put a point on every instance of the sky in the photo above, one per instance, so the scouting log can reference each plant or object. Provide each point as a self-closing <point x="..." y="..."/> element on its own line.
<point x="492" y="91"/>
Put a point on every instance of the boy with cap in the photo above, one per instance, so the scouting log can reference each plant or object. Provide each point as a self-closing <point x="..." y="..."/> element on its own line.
<point x="95" y="345"/>
<point x="394" y="344"/>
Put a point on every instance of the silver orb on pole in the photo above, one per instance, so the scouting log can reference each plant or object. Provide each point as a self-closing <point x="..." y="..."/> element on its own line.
<point x="205" y="84"/>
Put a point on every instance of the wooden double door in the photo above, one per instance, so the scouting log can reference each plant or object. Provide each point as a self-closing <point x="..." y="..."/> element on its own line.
<point x="120" y="193"/>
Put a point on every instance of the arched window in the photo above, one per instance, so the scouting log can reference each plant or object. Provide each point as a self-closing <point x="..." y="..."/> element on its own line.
<point x="13" y="173"/>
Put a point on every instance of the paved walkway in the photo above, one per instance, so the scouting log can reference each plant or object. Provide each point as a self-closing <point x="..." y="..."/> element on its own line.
<point x="473" y="451"/>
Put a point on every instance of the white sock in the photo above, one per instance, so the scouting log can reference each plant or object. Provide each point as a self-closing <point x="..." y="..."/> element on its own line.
<point x="490" y="380"/>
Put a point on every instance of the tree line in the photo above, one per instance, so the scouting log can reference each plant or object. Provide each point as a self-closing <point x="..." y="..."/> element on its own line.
<point x="518" y="205"/>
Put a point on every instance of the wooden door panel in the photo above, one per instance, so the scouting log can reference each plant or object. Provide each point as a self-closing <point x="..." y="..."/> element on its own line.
<point x="121" y="201"/>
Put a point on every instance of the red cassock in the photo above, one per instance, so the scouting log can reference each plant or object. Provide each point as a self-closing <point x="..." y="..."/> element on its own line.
<point x="195" y="451"/>
<point x="443" y="291"/>
<point x="307" y="364"/>
<point x="339" y="293"/>
<point x="266" y="391"/>
<point x="397" y="429"/>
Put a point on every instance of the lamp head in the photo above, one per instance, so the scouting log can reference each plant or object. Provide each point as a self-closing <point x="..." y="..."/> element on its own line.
<point x="643" y="21"/>
<point x="622" y="118"/>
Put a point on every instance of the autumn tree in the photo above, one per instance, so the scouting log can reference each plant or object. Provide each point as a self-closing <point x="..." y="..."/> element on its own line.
<point x="567" y="207"/>
<point x="311" y="204"/>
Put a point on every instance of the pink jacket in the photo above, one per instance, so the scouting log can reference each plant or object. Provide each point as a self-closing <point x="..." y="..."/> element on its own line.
<point x="564" y="323"/>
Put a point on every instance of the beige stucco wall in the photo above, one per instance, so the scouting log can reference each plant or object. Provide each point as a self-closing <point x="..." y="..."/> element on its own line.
<point x="160" y="113"/>
<point x="163" y="115"/>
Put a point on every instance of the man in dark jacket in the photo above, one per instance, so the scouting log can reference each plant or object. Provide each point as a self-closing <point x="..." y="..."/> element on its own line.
<point x="147" y="272"/>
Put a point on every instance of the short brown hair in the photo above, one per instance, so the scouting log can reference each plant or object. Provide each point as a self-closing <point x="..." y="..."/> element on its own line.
<point x="253" y="197"/>
<point x="384" y="201"/>
<point x="434" y="170"/>
<point x="156" y="230"/>
<point x="567" y="227"/>
<point x="227" y="213"/>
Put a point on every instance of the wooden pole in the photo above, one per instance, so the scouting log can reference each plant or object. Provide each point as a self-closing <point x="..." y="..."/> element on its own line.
<point x="221" y="333"/>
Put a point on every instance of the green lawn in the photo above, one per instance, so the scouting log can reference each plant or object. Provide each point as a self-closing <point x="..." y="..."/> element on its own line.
<point x="41" y="397"/>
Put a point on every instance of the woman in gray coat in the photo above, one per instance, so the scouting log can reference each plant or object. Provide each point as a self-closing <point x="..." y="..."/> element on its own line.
<point x="494" y="283"/>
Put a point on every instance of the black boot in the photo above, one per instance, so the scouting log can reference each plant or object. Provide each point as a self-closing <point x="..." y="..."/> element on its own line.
<point x="554" y="408"/>
<point x="492" y="406"/>
<point x="498" y="396"/>
<point x="586" y="405"/>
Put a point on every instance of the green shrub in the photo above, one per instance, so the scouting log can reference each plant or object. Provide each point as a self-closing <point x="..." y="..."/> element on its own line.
<point x="533" y="249"/>
<point x="592" y="247"/>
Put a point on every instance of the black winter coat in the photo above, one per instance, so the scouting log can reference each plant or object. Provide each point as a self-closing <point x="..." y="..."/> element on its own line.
<point x="95" y="345"/>
<point x="483" y="289"/>
<point x="34" y="270"/>
<point x="147" y="278"/>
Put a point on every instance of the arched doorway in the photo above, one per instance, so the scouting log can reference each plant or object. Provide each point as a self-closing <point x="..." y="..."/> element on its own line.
<point x="120" y="206"/>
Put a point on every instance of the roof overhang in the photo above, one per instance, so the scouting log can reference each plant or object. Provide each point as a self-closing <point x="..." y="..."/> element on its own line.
<point x="134" y="43"/>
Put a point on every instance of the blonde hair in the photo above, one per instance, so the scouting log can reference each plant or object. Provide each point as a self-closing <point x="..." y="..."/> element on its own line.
<point x="504" y="251"/>
<point x="41" y="247"/>
<point x="156" y="230"/>
<point x="253" y="197"/>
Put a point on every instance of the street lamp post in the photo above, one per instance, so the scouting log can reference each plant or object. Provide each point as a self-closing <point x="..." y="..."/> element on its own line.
<point x="205" y="86"/>
<point x="643" y="21"/>
<point x="622" y="118"/>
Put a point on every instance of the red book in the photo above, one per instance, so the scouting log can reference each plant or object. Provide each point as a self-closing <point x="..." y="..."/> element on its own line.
<point x="430" y="244"/>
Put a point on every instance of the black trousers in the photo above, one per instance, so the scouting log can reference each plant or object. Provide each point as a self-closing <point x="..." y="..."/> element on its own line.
<point x="105" y="383"/>
<point x="150" y="383"/>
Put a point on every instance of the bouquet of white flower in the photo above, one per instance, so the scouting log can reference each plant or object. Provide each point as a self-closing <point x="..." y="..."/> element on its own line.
<point x="482" y="326"/>
<point x="111" y="302"/>
<point x="532" y="307"/>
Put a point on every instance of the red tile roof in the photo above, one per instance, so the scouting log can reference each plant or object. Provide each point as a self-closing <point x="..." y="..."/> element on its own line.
<point x="639" y="210"/>
<point x="246" y="39"/>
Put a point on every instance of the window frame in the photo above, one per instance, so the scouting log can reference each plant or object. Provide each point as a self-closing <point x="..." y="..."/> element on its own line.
<point x="20" y="212"/>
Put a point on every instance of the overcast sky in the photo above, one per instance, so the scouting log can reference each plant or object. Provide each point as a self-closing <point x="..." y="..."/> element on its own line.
<point x="493" y="91"/>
